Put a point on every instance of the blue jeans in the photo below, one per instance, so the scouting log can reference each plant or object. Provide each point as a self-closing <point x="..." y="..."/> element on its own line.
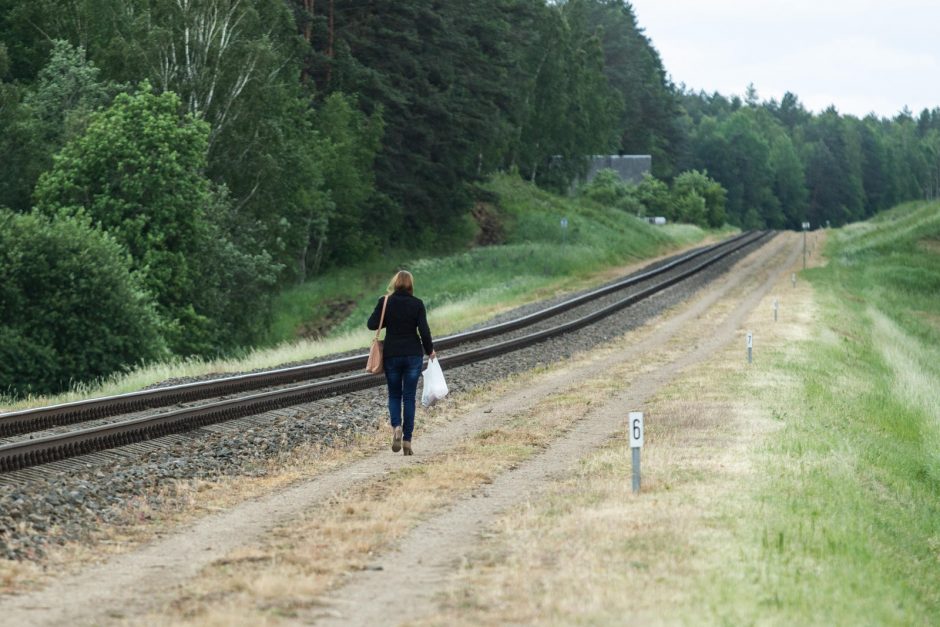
<point x="402" y="375"/>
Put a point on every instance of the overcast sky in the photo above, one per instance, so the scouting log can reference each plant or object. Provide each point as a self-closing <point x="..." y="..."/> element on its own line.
<point x="861" y="55"/>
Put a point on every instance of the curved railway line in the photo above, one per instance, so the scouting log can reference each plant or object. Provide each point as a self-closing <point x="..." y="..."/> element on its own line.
<point x="252" y="393"/>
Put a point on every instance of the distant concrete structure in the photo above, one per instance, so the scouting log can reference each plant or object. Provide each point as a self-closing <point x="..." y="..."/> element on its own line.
<point x="630" y="168"/>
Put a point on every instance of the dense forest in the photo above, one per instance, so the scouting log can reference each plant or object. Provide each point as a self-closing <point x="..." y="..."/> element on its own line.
<point x="170" y="164"/>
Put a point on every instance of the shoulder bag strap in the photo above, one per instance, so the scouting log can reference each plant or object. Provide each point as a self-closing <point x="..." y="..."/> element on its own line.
<point x="381" y="318"/>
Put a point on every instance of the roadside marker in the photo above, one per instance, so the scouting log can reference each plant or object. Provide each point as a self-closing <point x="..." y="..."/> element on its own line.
<point x="776" y="305"/>
<point x="750" y="345"/>
<point x="636" y="443"/>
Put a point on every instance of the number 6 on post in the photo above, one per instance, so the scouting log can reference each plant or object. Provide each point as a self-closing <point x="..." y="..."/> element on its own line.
<point x="636" y="429"/>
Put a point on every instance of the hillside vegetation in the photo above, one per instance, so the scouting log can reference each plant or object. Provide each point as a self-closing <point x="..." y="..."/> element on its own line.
<point x="532" y="260"/>
<point x="235" y="149"/>
<point x="529" y="254"/>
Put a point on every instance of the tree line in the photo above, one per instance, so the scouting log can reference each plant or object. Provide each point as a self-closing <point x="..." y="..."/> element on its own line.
<point x="782" y="165"/>
<point x="196" y="156"/>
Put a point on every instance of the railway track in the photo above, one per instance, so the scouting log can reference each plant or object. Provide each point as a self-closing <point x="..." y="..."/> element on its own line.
<point x="253" y="395"/>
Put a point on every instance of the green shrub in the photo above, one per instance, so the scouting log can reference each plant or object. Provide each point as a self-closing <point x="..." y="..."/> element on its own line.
<point x="694" y="198"/>
<point x="710" y="212"/>
<point x="606" y="188"/>
<point x="70" y="309"/>
<point x="654" y="195"/>
<point x="138" y="173"/>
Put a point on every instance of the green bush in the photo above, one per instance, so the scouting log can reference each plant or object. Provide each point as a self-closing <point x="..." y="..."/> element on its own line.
<point x="606" y="188"/>
<point x="138" y="173"/>
<point x="693" y="199"/>
<point x="70" y="309"/>
<point x="710" y="210"/>
<point x="654" y="195"/>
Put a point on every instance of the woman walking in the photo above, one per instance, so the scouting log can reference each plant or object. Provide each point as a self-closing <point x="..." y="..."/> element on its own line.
<point x="405" y="320"/>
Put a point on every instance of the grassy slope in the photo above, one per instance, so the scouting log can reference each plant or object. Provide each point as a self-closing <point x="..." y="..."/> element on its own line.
<point x="470" y="285"/>
<point x="845" y="528"/>
<point x="860" y="504"/>
<point x="460" y="290"/>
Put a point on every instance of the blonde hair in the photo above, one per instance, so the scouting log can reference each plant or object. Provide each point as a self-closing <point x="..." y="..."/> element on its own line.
<point x="402" y="281"/>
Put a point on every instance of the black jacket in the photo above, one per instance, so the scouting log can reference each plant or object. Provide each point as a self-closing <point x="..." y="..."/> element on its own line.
<point x="405" y="318"/>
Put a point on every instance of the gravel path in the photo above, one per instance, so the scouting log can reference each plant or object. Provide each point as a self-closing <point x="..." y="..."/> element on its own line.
<point x="71" y="500"/>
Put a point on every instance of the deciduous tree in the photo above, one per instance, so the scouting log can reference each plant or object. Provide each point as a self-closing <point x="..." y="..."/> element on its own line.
<point x="71" y="309"/>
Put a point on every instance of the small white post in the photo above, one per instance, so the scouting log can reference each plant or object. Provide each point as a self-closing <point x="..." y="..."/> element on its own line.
<point x="793" y="279"/>
<point x="805" y="228"/>
<point x="635" y="427"/>
<point x="750" y="345"/>
<point x="776" y="306"/>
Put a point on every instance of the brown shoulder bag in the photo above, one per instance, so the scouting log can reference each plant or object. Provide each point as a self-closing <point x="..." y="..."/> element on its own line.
<point x="374" y="365"/>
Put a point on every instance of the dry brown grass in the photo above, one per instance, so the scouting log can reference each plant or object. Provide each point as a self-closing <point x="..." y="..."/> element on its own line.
<point x="930" y="244"/>
<point x="15" y="576"/>
<point x="592" y="552"/>
<point x="929" y="317"/>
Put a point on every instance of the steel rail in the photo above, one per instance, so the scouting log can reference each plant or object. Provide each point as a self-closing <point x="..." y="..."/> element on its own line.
<point x="51" y="448"/>
<point x="25" y="421"/>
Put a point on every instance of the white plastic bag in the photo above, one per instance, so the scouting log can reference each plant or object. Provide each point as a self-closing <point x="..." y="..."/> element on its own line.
<point x="435" y="388"/>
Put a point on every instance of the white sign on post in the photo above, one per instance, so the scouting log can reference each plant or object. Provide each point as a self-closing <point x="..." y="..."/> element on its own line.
<point x="636" y="429"/>
<point x="750" y="340"/>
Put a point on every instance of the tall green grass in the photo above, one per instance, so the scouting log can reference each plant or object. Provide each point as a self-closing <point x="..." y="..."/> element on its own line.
<point x="849" y="517"/>
<point x="466" y="286"/>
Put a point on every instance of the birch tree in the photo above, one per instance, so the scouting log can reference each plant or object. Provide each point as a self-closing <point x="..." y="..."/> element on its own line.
<point x="209" y="57"/>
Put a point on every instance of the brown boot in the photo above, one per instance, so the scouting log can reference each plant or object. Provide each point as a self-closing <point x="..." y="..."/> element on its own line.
<point x="396" y="440"/>
<point x="406" y="445"/>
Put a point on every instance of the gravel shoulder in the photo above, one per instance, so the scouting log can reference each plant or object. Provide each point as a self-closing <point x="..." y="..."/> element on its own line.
<point x="116" y="589"/>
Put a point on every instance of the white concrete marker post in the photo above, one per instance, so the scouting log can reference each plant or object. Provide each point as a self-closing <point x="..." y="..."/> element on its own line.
<point x="805" y="228"/>
<point x="750" y="345"/>
<point x="793" y="279"/>
<point x="635" y="427"/>
<point x="776" y="306"/>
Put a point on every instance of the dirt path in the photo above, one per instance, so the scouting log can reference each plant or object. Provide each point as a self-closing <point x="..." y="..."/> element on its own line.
<point x="414" y="574"/>
<point x="144" y="579"/>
